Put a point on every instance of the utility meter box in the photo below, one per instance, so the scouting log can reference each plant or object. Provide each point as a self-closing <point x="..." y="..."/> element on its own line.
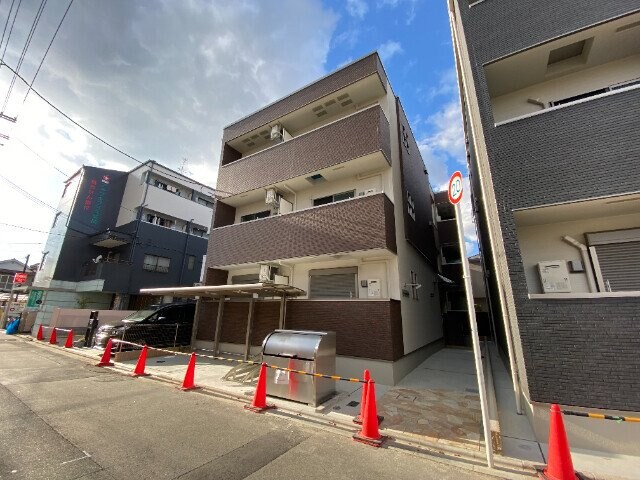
<point x="554" y="276"/>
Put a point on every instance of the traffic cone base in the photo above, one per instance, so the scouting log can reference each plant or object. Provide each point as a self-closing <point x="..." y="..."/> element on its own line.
<point x="540" y="469"/>
<point x="106" y="356"/>
<point x="259" y="403"/>
<point x="369" y="434"/>
<point x="189" y="377"/>
<point x="69" y="342"/>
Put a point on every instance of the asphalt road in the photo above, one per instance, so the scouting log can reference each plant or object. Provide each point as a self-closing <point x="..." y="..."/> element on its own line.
<point x="61" y="418"/>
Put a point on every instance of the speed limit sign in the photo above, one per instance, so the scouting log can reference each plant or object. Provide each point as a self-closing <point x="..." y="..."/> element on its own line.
<point x="455" y="188"/>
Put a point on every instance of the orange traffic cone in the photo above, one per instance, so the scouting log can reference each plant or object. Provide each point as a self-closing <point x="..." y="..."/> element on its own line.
<point x="259" y="403"/>
<point x="363" y="399"/>
<point x="369" y="433"/>
<point x="69" y="342"/>
<point x="106" y="356"/>
<point x="559" y="466"/>
<point x="188" y="382"/>
<point x="142" y="360"/>
<point x="40" y="336"/>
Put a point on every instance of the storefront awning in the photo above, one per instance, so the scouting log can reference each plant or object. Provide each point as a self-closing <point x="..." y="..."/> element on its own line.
<point x="217" y="291"/>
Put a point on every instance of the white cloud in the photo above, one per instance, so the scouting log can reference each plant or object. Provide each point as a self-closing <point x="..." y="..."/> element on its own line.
<point x="388" y="49"/>
<point x="447" y="86"/>
<point x="357" y="8"/>
<point x="408" y="5"/>
<point x="158" y="80"/>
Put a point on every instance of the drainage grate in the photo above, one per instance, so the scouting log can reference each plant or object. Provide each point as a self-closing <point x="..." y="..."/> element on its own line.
<point x="353" y="403"/>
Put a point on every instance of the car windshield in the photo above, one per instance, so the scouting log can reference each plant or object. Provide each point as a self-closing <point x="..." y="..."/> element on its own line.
<point x="138" y="316"/>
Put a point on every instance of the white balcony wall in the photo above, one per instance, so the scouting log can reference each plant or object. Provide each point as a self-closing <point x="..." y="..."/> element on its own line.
<point x="170" y="204"/>
<point x="133" y="196"/>
<point x="515" y="104"/>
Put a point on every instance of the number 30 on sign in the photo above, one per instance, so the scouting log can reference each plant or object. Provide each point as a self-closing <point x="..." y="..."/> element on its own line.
<point x="455" y="188"/>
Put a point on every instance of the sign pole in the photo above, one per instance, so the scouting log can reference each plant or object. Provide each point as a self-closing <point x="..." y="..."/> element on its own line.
<point x="455" y="195"/>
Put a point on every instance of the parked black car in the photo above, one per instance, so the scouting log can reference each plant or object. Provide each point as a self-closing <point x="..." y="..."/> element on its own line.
<point x="167" y="325"/>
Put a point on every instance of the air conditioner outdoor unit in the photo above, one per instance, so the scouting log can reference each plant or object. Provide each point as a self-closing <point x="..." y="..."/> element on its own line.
<point x="276" y="132"/>
<point x="367" y="192"/>
<point x="267" y="273"/>
<point x="271" y="196"/>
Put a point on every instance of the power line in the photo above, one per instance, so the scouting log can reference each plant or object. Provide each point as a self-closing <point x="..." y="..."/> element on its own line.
<point x="47" y="50"/>
<point x="7" y="23"/>
<point x="66" y="175"/>
<point x="27" y="194"/>
<point x="23" y="54"/>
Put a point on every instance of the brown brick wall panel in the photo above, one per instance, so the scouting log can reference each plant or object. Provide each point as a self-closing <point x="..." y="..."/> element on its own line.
<point x="363" y="223"/>
<point x="223" y="214"/>
<point x="363" y="329"/>
<point x="352" y="137"/>
<point x="367" y="329"/>
<point x="340" y="79"/>
<point x="215" y="276"/>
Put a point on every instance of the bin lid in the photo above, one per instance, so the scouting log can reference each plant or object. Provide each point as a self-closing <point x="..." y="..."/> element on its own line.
<point x="300" y="344"/>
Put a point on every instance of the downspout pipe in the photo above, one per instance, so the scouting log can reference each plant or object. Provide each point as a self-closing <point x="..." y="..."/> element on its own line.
<point x="586" y="260"/>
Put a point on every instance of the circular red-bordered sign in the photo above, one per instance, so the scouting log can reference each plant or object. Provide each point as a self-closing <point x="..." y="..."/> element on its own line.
<point x="455" y="188"/>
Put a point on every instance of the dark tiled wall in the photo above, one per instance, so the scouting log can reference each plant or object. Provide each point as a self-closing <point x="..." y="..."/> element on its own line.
<point x="340" y="79"/>
<point x="352" y="137"/>
<point x="360" y="224"/>
<point x="419" y="232"/>
<point x="581" y="352"/>
<point x="370" y="325"/>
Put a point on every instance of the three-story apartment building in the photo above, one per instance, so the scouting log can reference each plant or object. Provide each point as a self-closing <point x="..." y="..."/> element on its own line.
<point x="116" y="232"/>
<point x="326" y="190"/>
<point x="551" y="105"/>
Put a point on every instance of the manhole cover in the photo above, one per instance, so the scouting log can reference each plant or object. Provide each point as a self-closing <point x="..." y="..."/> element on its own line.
<point x="353" y="403"/>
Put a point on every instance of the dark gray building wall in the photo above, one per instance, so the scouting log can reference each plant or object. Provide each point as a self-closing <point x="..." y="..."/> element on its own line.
<point x="577" y="352"/>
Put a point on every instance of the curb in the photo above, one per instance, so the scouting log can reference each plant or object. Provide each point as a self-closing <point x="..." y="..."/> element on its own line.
<point x="438" y="451"/>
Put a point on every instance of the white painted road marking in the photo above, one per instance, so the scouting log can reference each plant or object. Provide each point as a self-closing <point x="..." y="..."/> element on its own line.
<point x="86" y="455"/>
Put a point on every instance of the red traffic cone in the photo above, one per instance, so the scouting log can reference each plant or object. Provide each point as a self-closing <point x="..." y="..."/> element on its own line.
<point x="363" y="399"/>
<point x="188" y="382"/>
<point x="259" y="403"/>
<point x="369" y="433"/>
<point x="559" y="466"/>
<point x="53" y="339"/>
<point x="69" y="342"/>
<point x="142" y="360"/>
<point x="106" y="356"/>
<point x="40" y="336"/>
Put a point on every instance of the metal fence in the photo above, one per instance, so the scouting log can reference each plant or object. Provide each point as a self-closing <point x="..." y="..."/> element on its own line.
<point x="164" y="335"/>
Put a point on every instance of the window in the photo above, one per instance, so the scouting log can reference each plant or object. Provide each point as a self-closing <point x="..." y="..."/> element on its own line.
<point x="191" y="262"/>
<point x="245" y="279"/>
<point x="199" y="232"/>
<point x="334" y="198"/>
<point x="158" y="220"/>
<point x="333" y="283"/>
<point x="255" y="216"/>
<point x="411" y="208"/>
<point x="153" y="263"/>
<point x="205" y="202"/>
<point x="616" y="253"/>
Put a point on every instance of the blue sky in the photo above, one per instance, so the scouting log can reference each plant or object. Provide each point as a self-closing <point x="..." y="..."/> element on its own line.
<point x="161" y="78"/>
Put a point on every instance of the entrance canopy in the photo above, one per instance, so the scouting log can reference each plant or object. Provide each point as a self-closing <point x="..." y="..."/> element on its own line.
<point x="220" y="292"/>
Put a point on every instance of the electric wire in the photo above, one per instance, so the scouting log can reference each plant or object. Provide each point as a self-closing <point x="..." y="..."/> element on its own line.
<point x="23" y="54"/>
<point x="47" y="51"/>
<point x="94" y="135"/>
<point x="66" y="175"/>
<point x="7" y="23"/>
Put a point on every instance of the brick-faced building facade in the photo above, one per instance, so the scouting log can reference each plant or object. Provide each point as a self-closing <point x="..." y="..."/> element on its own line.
<point x="328" y="188"/>
<point x="551" y="105"/>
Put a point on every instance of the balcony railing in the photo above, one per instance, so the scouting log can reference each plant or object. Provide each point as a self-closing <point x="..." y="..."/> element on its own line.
<point x="361" y="223"/>
<point x="352" y="137"/>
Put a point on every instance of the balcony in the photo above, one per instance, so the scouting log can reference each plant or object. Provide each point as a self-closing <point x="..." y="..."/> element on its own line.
<point x="361" y="134"/>
<point x="447" y="232"/>
<point x="362" y="223"/>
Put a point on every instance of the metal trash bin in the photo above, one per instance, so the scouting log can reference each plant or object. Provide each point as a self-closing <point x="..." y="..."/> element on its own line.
<point x="313" y="352"/>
